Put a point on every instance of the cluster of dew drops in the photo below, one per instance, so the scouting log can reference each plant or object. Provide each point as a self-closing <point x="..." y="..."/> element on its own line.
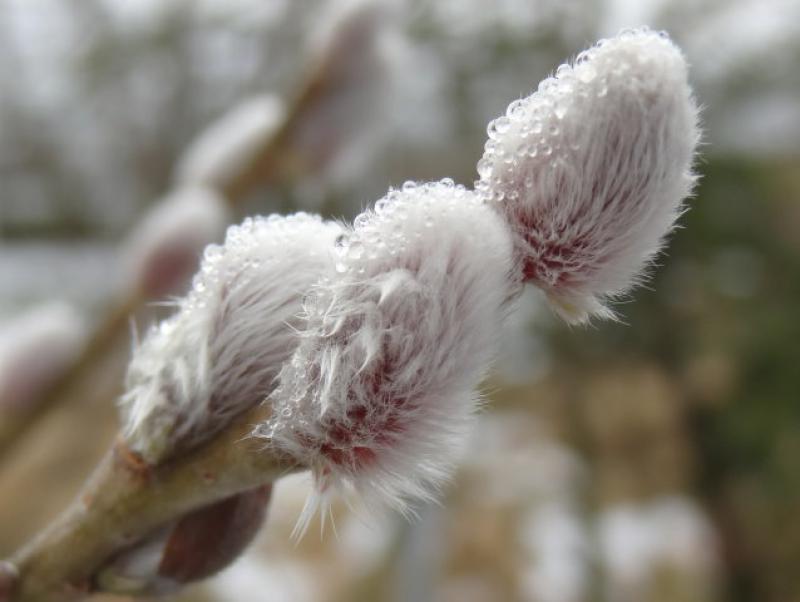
<point x="532" y="128"/>
<point x="397" y="219"/>
<point x="249" y="245"/>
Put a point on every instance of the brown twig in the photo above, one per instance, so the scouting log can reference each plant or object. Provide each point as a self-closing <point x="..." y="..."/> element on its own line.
<point x="125" y="500"/>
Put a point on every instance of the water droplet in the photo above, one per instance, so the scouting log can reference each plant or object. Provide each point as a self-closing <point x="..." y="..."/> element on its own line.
<point x="341" y="267"/>
<point x="586" y="73"/>
<point x="448" y="183"/>
<point x="212" y="252"/>
<point x="516" y="110"/>
<point x="409" y="186"/>
<point x="502" y="125"/>
<point x="560" y="109"/>
<point x="563" y="71"/>
<point x="356" y="250"/>
<point x="340" y="244"/>
<point x="546" y="86"/>
<point x="361" y="221"/>
<point x="484" y="168"/>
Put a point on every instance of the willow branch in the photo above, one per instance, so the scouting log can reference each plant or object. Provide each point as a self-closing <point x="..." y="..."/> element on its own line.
<point x="125" y="500"/>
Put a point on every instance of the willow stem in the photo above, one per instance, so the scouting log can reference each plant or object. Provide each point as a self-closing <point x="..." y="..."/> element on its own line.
<point x="125" y="500"/>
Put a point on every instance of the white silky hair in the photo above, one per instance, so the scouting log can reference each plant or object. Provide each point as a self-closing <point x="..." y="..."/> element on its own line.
<point x="219" y="354"/>
<point x="591" y="170"/>
<point x="382" y="389"/>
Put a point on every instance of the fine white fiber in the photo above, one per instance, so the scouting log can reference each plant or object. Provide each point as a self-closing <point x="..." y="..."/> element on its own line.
<point x="220" y="352"/>
<point x="591" y="170"/>
<point x="381" y="392"/>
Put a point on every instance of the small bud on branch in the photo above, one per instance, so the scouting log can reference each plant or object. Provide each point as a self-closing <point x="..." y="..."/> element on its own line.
<point x="591" y="170"/>
<point x="218" y="355"/>
<point x="381" y="391"/>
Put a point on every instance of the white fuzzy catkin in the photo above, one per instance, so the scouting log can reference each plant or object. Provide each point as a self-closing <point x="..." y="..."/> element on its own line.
<point x="218" y="154"/>
<point x="381" y="391"/>
<point x="164" y="250"/>
<point x="35" y="349"/>
<point x="219" y="354"/>
<point x="591" y="170"/>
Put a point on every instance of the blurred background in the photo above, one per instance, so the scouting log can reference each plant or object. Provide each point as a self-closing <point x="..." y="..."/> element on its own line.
<point x="656" y="459"/>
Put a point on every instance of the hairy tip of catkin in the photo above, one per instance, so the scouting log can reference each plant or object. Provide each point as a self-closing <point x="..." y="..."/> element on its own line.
<point x="218" y="355"/>
<point x="592" y="169"/>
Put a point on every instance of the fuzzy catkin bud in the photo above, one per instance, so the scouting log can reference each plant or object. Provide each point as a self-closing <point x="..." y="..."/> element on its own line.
<point x="591" y="170"/>
<point x="218" y="355"/>
<point x="381" y="391"/>
<point x="164" y="250"/>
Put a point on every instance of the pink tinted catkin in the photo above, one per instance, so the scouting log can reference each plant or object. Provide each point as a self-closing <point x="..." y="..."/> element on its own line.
<point x="218" y="355"/>
<point x="591" y="170"/>
<point x="381" y="391"/>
